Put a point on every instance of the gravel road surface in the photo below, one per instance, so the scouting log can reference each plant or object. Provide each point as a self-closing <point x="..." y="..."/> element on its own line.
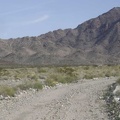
<point x="77" y="101"/>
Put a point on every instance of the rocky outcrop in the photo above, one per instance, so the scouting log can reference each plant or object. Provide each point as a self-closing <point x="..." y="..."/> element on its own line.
<point x="96" y="41"/>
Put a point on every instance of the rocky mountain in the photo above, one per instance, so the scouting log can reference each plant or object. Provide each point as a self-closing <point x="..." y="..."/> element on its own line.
<point x="96" y="41"/>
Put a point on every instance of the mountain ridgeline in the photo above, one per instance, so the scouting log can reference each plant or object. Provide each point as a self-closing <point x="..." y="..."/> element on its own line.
<point x="96" y="41"/>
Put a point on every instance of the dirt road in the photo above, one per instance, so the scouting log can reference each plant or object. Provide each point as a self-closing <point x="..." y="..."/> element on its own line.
<point x="78" y="101"/>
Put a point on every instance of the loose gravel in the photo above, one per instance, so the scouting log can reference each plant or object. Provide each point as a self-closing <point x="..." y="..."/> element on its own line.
<point x="78" y="101"/>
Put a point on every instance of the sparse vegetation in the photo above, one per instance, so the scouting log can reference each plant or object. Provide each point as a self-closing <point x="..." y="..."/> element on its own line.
<point x="51" y="76"/>
<point x="88" y="76"/>
<point x="42" y="70"/>
<point x="79" y="71"/>
<point x="50" y="82"/>
<point x="7" y="91"/>
<point x="118" y="81"/>
<point x="28" y="85"/>
<point x="60" y="78"/>
<point x="11" y="91"/>
<point x="113" y="107"/>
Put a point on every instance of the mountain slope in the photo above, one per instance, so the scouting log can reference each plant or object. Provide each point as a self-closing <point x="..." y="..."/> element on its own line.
<point x="96" y="41"/>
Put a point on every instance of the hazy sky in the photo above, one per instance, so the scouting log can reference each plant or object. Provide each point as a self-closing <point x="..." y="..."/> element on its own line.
<point x="20" y="18"/>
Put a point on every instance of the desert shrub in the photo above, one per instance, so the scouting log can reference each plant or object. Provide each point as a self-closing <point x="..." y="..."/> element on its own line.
<point x="88" y="76"/>
<point x="107" y="74"/>
<point x="65" y="69"/>
<point x="42" y="70"/>
<point x="71" y="71"/>
<point x="16" y="77"/>
<point x="118" y="81"/>
<point x="37" y="85"/>
<point x="7" y="91"/>
<point x="28" y="85"/>
<point x="34" y="77"/>
<point x="4" y="72"/>
<point x="1" y="69"/>
<point x="50" y="82"/>
<point x="70" y="79"/>
<point x="24" y="86"/>
<point x="86" y="67"/>
<point x="60" y="78"/>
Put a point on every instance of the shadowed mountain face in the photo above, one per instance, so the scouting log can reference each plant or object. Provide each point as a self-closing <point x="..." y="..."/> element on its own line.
<point x="96" y="41"/>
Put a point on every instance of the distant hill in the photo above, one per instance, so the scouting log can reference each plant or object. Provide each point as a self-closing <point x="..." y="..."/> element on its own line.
<point x="96" y="41"/>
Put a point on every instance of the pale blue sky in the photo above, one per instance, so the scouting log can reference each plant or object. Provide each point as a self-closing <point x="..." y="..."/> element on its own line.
<point x="20" y="18"/>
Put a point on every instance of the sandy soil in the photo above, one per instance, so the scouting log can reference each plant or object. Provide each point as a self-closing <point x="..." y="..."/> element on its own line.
<point x="78" y="101"/>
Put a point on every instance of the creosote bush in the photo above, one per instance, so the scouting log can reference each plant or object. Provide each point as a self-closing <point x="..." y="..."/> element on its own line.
<point x="42" y="70"/>
<point x="11" y="91"/>
<point x="88" y="76"/>
<point x="53" y="79"/>
<point x="50" y="82"/>
<point x="7" y="91"/>
<point x="28" y="85"/>
<point x="53" y="75"/>
<point x="118" y="81"/>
